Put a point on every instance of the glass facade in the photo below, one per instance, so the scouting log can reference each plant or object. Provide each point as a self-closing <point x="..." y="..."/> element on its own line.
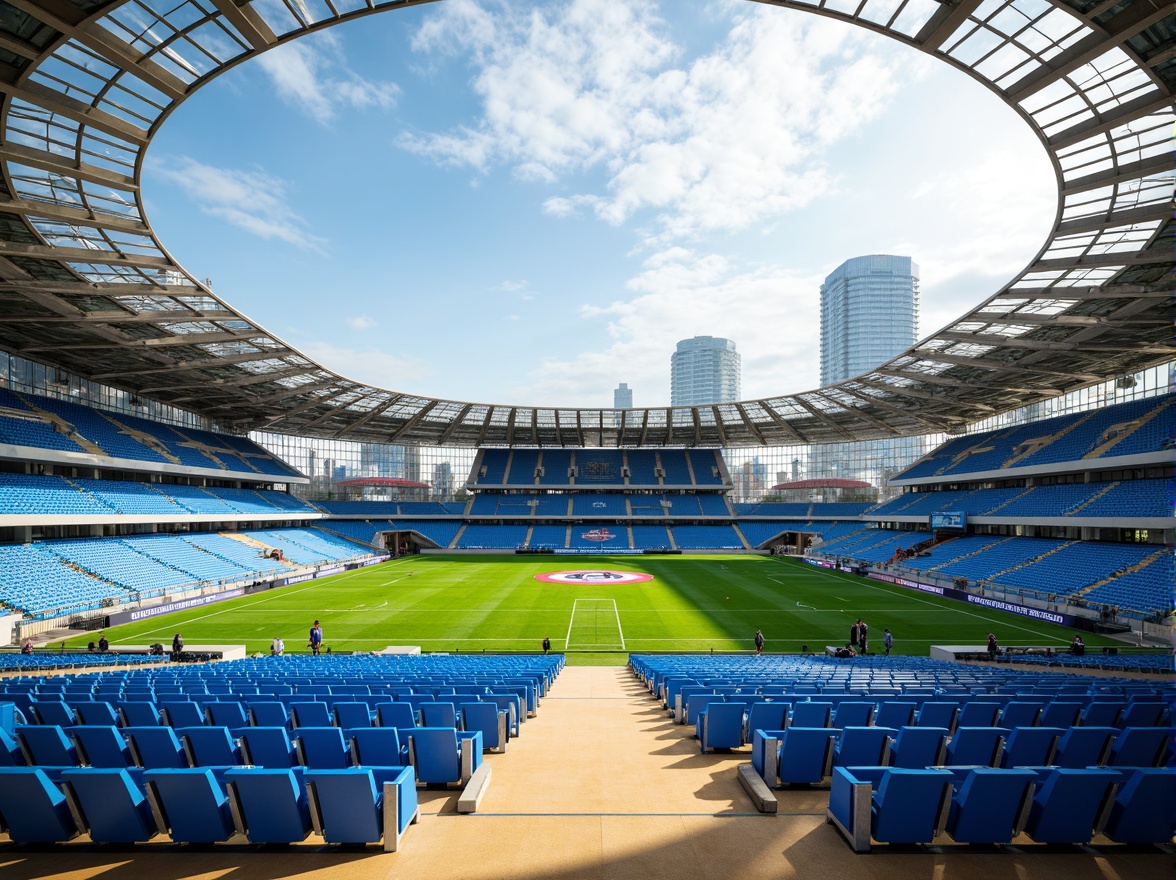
<point x="869" y="314"/>
<point x="704" y="370"/>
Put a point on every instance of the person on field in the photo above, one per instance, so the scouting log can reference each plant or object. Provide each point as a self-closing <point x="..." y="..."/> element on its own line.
<point x="759" y="641"/>
<point x="993" y="647"/>
<point x="177" y="643"/>
<point x="315" y="641"/>
<point x="546" y="644"/>
<point x="887" y="640"/>
<point x="277" y="646"/>
<point x="863" y="635"/>
<point x="855" y="632"/>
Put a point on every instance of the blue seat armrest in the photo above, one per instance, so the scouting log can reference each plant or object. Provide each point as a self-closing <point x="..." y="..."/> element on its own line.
<point x="849" y="807"/>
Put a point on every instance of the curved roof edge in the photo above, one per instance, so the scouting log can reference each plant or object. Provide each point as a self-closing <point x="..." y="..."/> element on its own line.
<point x="86" y="285"/>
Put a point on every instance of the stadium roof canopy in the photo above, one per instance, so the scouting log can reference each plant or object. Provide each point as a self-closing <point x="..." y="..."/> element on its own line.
<point x="86" y="285"/>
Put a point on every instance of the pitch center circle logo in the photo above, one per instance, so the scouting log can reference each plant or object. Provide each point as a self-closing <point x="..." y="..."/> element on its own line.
<point x="594" y="576"/>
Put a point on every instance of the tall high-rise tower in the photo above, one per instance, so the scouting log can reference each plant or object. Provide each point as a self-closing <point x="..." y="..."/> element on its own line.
<point x="704" y="370"/>
<point x="623" y="397"/>
<point x="869" y="314"/>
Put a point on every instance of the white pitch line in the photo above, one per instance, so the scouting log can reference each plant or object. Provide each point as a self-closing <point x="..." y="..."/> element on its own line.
<point x="620" y="631"/>
<point x="568" y="637"/>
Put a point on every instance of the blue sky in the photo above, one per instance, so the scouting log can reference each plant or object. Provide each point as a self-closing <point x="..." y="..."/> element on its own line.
<point x="529" y="202"/>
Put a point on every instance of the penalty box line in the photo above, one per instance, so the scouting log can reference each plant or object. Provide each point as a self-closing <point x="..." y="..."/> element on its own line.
<point x="572" y="620"/>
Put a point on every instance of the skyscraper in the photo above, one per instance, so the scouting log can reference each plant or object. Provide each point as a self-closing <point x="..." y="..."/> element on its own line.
<point x="869" y="314"/>
<point x="704" y="370"/>
<point x="623" y="397"/>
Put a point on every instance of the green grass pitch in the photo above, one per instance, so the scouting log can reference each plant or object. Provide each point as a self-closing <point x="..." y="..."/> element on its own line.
<point x="493" y="603"/>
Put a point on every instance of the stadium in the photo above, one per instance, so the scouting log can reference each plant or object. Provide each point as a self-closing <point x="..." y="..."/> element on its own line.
<point x="169" y="469"/>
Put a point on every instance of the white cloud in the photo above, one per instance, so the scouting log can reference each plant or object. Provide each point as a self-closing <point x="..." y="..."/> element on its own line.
<point x="251" y="200"/>
<point x="732" y="139"/>
<point x="369" y="365"/>
<point x="771" y="313"/>
<point x="361" y="322"/>
<point x="315" y="78"/>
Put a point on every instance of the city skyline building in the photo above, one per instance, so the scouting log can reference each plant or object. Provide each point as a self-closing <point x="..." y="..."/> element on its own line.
<point x="623" y="396"/>
<point x="869" y="314"/>
<point x="704" y="370"/>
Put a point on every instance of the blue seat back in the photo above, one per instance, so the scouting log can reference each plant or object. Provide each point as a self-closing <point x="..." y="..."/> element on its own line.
<point x="226" y="714"/>
<point x="1102" y="713"/>
<point x="352" y="715"/>
<point x="139" y="713"/>
<point x="988" y="804"/>
<point x="1030" y="746"/>
<point x="853" y="714"/>
<point x="1140" y="747"/>
<point x="806" y="754"/>
<point x="1020" y="714"/>
<point x="976" y="746"/>
<point x="1084" y="746"/>
<point x="438" y="714"/>
<point x="765" y="716"/>
<point x="96" y="712"/>
<point x="192" y="804"/>
<point x="940" y="713"/>
<point x="1145" y="807"/>
<point x="46" y="745"/>
<point x="268" y="713"/>
<point x="723" y="726"/>
<point x="896" y="713"/>
<point x="181" y="714"/>
<point x="322" y="748"/>
<point x="156" y="748"/>
<point x="350" y="807"/>
<point x="907" y="805"/>
<point x="102" y="746"/>
<point x="306" y="714"/>
<point x="53" y="712"/>
<point x="483" y="716"/>
<point x="1060" y="714"/>
<point x="398" y="715"/>
<point x="919" y="747"/>
<point x="32" y="808"/>
<point x="210" y="746"/>
<point x="272" y="803"/>
<point x="811" y="714"/>
<point x="697" y="702"/>
<point x="1143" y="714"/>
<point x="1067" y="804"/>
<point x="268" y="747"/>
<point x="863" y="746"/>
<point x="978" y="713"/>
<point x="113" y="804"/>
<point x="376" y="747"/>
<point x="436" y="754"/>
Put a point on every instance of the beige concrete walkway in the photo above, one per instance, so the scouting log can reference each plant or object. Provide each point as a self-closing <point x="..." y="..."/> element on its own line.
<point x="601" y="786"/>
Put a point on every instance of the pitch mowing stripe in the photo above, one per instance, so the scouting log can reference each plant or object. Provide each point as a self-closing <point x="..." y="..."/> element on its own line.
<point x="595" y="612"/>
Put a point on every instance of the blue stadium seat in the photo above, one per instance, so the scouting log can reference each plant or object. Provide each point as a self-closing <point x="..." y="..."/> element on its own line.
<point x="46" y="745"/>
<point x="805" y="755"/>
<point x="309" y="714"/>
<point x="177" y="714"/>
<point x="102" y="746"/>
<point x="210" y="747"/>
<point x="863" y="747"/>
<point x="398" y="715"/>
<point x="1144" y="810"/>
<point x="226" y="714"/>
<point x="266" y="713"/>
<point x="441" y="756"/>
<point x="490" y="720"/>
<point x="1140" y="747"/>
<point x="272" y="803"/>
<point x="1060" y="714"/>
<point x="888" y="804"/>
<point x="438" y="714"/>
<point x="916" y="747"/>
<point x="95" y="712"/>
<point x="156" y="748"/>
<point x="363" y="805"/>
<point x="193" y="806"/>
<point x="720" y="726"/>
<point x="765" y="716"/>
<point x="1084" y="746"/>
<point x="352" y="715"/>
<point x="976" y="746"/>
<point x="1068" y="803"/>
<point x="990" y="806"/>
<point x="53" y="712"/>
<point x="32" y="808"/>
<point x="1030" y="746"/>
<point x="139" y="713"/>
<point x="377" y="747"/>
<point x="853" y="714"/>
<point x="978" y="713"/>
<point x="113" y="804"/>
<point x="268" y="747"/>
<point x="322" y="748"/>
<point x="811" y="714"/>
<point x="940" y="713"/>
<point x="896" y="714"/>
